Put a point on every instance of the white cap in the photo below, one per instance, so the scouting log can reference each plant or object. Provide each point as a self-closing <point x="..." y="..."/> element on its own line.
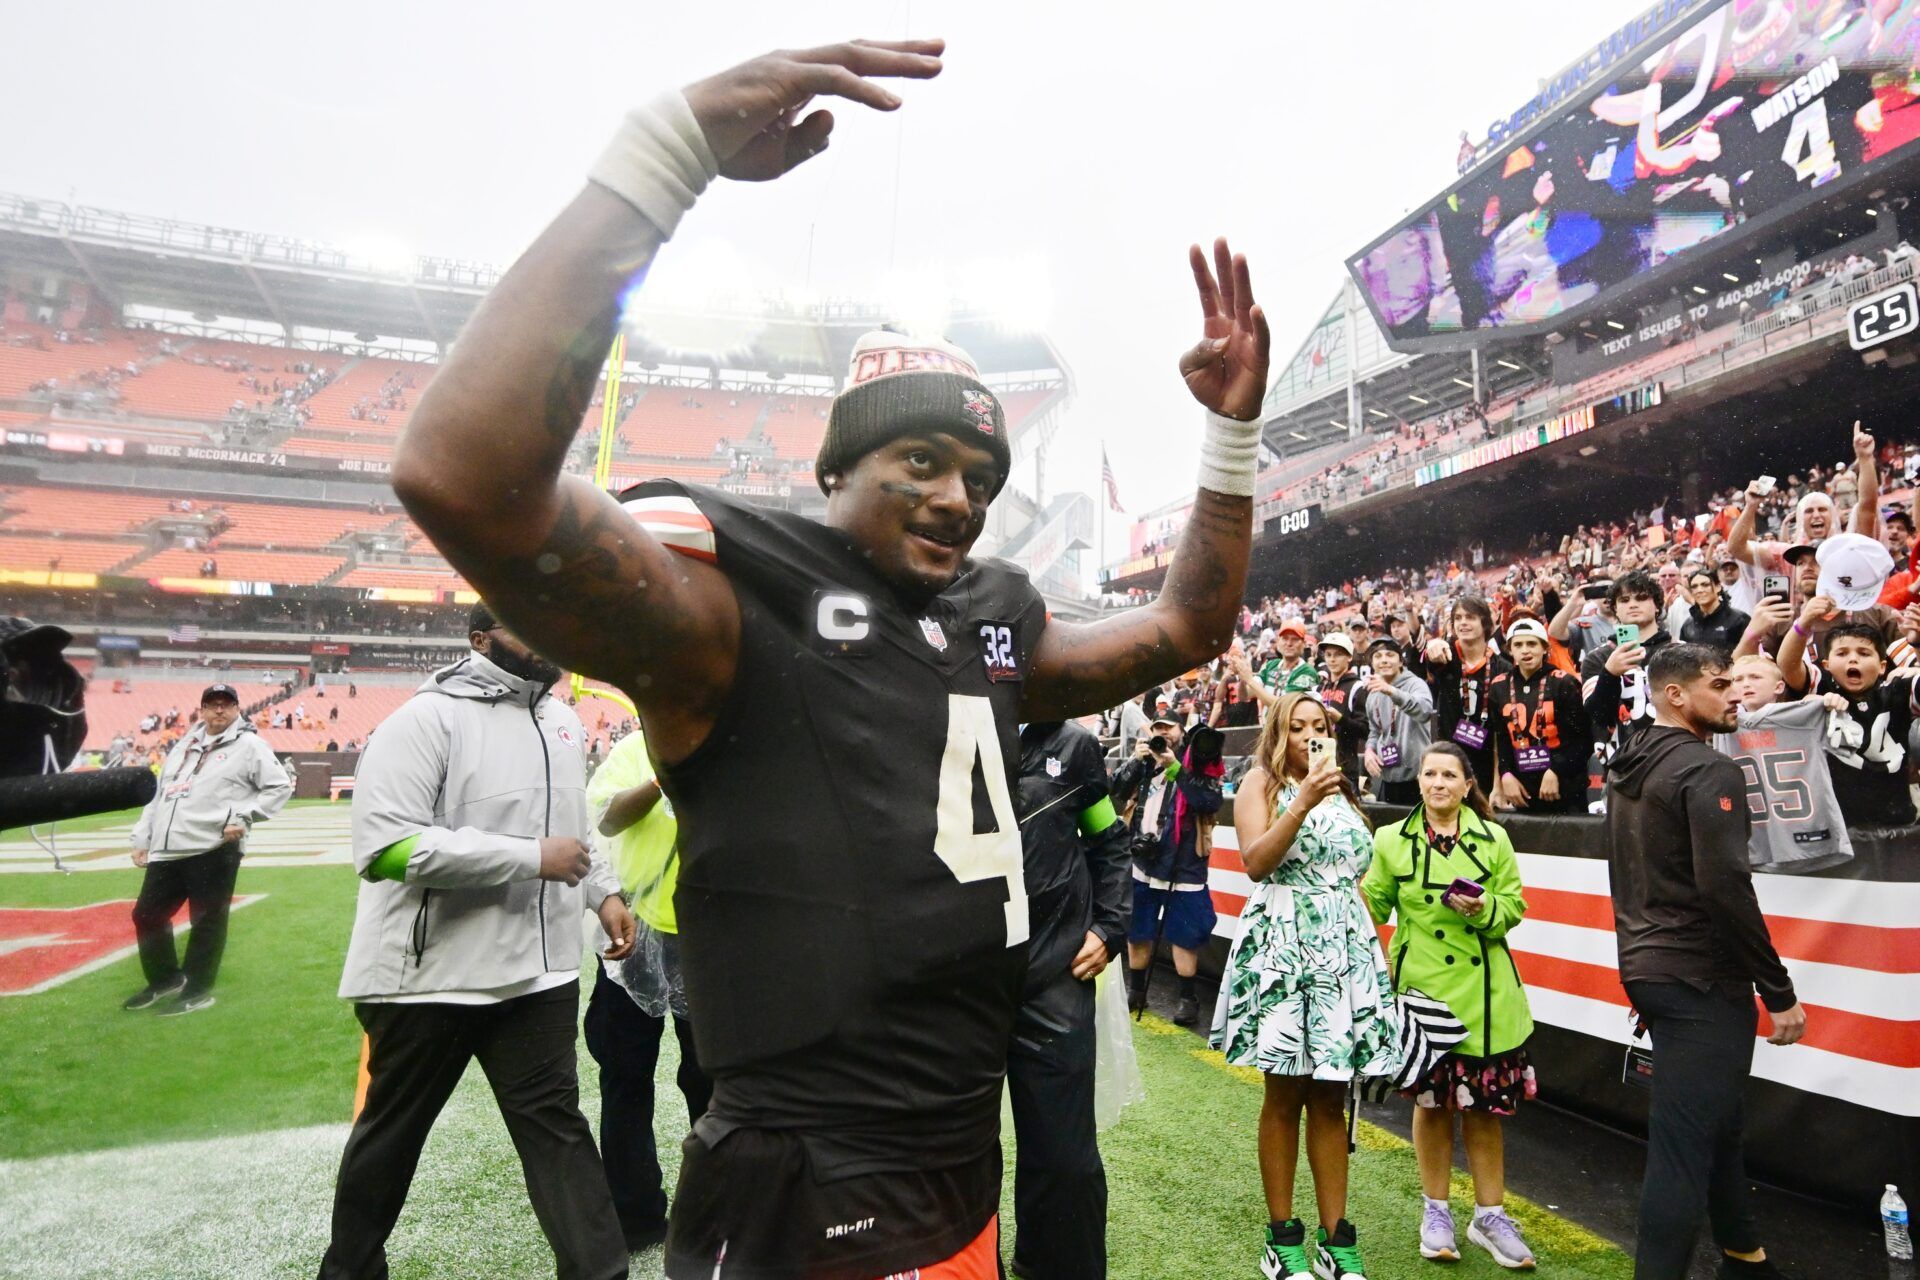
<point x="1853" y="568"/>
<point x="1528" y="627"/>
<point x="1338" y="640"/>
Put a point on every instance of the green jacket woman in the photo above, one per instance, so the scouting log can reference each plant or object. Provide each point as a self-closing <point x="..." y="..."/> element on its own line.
<point x="1463" y="961"/>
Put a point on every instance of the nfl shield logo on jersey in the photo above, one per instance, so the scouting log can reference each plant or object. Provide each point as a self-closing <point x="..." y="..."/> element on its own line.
<point x="1053" y="766"/>
<point x="935" y="636"/>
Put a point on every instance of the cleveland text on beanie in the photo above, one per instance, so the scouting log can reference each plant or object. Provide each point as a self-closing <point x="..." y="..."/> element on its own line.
<point x="898" y="384"/>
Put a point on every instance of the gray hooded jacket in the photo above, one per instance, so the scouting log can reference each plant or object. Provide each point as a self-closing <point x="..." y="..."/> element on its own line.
<point x="208" y="784"/>
<point x="1403" y="717"/>
<point x="479" y="765"/>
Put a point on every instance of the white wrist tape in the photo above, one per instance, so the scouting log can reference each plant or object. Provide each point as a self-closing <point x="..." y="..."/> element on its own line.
<point x="659" y="161"/>
<point x="1229" y="455"/>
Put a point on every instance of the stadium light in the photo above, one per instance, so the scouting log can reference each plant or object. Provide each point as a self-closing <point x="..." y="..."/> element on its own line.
<point x="1615" y="324"/>
<point x="1462" y="382"/>
<point x="1729" y="276"/>
<point x="1419" y="399"/>
<point x="1702" y="292"/>
<point x="1508" y="364"/>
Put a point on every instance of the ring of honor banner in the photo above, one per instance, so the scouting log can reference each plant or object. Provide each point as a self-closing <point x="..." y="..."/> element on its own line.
<point x="1748" y="115"/>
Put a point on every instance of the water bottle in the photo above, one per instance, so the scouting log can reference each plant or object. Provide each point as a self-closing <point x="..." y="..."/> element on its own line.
<point x="1893" y="1221"/>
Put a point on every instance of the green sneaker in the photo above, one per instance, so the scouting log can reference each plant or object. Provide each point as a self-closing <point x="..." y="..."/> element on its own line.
<point x="1339" y="1254"/>
<point x="1285" y="1257"/>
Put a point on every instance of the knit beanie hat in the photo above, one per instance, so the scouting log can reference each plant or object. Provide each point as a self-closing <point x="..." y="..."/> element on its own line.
<point x="899" y="385"/>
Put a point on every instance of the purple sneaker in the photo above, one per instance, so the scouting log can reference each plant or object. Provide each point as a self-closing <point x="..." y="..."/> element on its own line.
<point x="1499" y="1235"/>
<point x="1436" y="1234"/>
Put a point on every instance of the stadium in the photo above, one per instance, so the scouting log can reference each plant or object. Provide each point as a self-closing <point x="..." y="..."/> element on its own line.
<point x="1614" y="311"/>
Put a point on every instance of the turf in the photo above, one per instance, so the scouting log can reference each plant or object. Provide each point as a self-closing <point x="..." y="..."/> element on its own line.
<point x="277" y="1050"/>
<point x="258" y="1087"/>
<point x="123" y="818"/>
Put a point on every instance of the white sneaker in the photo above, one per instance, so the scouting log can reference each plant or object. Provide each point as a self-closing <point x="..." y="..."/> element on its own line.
<point x="1436" y="1234"/>
<point x="1500" y="1236"/>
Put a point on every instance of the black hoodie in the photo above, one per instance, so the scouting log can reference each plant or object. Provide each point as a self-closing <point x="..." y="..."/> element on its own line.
<point x="1683" y="903"/>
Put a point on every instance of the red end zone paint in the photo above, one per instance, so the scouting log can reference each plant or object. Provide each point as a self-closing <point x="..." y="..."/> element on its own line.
<point x="42" y="947"/>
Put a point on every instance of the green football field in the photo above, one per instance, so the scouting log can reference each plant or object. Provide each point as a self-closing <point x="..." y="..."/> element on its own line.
<point x="138" y="1147"/>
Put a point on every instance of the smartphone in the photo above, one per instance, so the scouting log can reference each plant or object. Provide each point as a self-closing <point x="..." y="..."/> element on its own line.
<point x="1764" y="484"/>
<point x="1321" y="750"/>
<point x="1626" y="633"/>
<point x="1774" y="584"/>
<point x="1464" y="888"/>
<point x="1595" y="590"/>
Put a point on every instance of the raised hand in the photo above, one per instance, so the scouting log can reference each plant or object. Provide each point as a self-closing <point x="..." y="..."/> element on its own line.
<point x="1227" y="370"/>
<point x="1862" y="444"/>
<point x="750" y="114"/>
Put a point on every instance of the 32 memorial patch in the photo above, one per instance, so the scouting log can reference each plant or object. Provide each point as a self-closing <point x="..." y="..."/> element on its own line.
<point x="996" y="646"/>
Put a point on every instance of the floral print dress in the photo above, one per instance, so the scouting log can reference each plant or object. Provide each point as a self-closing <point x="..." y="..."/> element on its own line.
<point x="1306" y="990"/>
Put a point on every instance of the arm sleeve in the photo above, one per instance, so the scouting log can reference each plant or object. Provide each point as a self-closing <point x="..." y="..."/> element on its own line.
<point x="1505" y="904"/>
<point x="1379" y="886"/>
<point x="1599" y="688"/>
<point x="1105" y="844"/>
<point x="142" y="836"/>
<point x="399" y="779"/>
<point x="1570" y="714"/>
<point x="273" y="788"/>
<point x="601" y="882"/>
<point x="1715" y="796"/>
<point x="1416" y="701"/>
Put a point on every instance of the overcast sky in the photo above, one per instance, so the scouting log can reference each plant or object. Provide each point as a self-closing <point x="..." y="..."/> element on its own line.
<point x="1068" y="152"/>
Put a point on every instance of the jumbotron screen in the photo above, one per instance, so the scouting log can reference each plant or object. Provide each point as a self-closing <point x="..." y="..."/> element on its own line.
<point x="1744" y="116"/>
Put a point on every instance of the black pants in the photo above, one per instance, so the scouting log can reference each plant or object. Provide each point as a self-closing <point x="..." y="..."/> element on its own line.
<point x="416" y="1055"/>
<point x="625" y="1040"/>
<point x="203" y="881"/>
<point x="1702" y="1053"/>
<point x="1059" y="1183"/>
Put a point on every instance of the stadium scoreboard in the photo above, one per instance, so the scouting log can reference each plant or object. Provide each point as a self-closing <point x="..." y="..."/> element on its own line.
<point x="1883" y="317"/>
<point x="1749" y="114"/>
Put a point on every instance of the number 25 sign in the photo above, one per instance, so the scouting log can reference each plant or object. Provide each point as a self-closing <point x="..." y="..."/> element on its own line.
<point x="1883" y="317"/>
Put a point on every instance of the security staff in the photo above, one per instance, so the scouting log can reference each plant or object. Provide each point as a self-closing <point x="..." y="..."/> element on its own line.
<point x="1076" y="861"/>
<point x="218" y="780"/>
<point x="468" y="833"/>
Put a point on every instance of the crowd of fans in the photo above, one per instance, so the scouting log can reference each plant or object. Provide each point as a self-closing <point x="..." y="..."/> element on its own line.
<point x="1524" y="661"/>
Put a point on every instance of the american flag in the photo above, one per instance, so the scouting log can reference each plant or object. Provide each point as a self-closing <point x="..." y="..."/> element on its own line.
<point x="186" y="633"/>
<point x="1106" y="476"/>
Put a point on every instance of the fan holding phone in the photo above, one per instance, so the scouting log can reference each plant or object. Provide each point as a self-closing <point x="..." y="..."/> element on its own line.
<point x="1448" y="877"/>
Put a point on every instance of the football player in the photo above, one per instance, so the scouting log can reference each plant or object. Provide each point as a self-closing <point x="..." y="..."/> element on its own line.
<point x="834" y="707"/>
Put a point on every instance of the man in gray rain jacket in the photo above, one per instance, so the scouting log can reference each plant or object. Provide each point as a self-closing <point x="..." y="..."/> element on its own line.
<point x="469" y="823"/>
<point x="218" y="780"/>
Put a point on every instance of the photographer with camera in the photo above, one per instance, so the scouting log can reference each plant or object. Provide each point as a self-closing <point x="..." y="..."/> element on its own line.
<point x="1170" y="791"/>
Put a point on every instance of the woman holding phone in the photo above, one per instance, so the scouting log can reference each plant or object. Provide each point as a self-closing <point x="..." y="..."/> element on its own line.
<point x="1449" y="875"/>
<point x="1306" y="997"/>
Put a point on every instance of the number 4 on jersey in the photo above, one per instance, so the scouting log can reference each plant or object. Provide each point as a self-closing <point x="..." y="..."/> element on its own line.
<point x="973" y="742"/>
